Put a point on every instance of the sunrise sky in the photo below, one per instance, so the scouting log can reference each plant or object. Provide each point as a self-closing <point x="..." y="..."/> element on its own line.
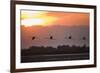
<point x="48" y="18"/>
<point x="43" y="24"/>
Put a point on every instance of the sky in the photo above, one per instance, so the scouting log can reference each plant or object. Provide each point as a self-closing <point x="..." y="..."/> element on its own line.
<point x="48" y="18"/>
<point x="60" y="25"/>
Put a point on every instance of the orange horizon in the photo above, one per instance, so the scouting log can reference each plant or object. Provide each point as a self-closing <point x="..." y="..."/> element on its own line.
<point x="49" y="18"/>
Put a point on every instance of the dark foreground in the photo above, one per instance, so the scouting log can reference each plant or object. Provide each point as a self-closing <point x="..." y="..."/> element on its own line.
<point x="61" y="53"/>
<point x="56" y="57"/>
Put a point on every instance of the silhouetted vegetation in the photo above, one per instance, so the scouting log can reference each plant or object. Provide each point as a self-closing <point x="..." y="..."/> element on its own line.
<point x="65" y="49"/>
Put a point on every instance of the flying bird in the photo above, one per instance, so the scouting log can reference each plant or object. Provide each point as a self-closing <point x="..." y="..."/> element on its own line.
<point x="70" y="37"/>
<point x="51" y="37"/>
<point x="84" y="38"/>
<point x="33" y="38"/>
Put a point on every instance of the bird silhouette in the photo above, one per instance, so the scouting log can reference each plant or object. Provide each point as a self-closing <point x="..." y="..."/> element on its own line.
<point x="33" y="38"/>
<point x="84" y="38"/>
<point x="51" y="37"/>
<point x="70" y="37"/>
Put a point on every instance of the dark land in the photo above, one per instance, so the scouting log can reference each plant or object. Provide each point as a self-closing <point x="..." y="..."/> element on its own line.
<point x="61" y="53"/>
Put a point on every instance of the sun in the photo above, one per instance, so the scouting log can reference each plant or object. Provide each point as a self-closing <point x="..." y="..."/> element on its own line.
<point x="32" y="22"/>
<point x="34" y="18"/>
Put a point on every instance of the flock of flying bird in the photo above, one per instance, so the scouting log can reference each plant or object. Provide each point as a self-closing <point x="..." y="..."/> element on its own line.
<point x="51" y="38"/>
